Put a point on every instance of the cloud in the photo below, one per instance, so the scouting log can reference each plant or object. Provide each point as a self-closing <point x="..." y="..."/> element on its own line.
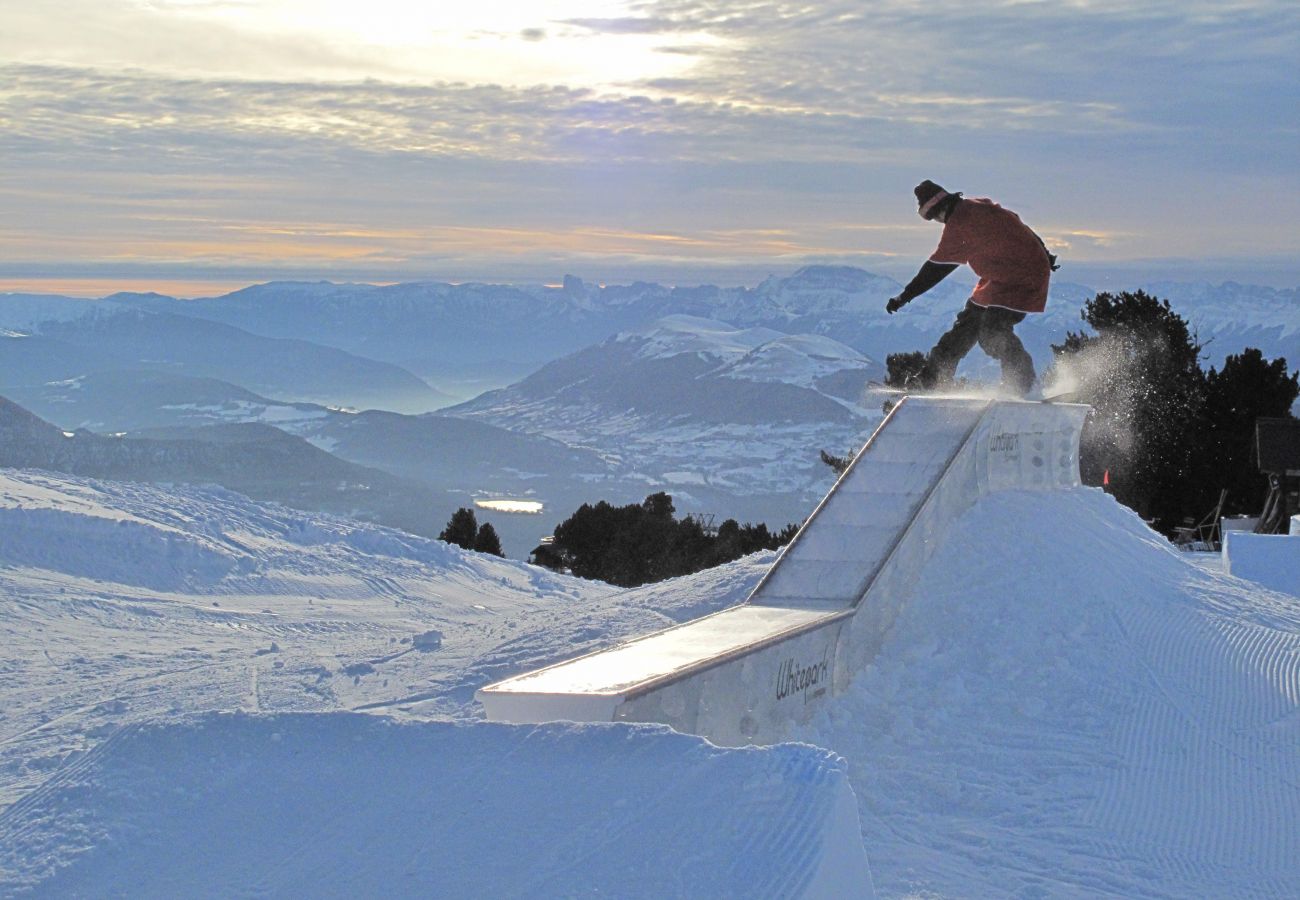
<point x="1071" y="240"/>
<point x="1119" y="128"/>
<point x="629" y="25"/>
<point x="1157" y="70"/>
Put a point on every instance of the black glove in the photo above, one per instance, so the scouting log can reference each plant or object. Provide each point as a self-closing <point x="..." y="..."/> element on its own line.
<point x="894" y="305"/>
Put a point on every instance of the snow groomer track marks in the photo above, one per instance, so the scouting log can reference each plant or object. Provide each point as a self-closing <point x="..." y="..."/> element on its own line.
<point x="747" y="674"/>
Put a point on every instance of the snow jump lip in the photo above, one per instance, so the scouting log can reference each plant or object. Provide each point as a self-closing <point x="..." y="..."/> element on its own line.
<point x="748" y="673"/>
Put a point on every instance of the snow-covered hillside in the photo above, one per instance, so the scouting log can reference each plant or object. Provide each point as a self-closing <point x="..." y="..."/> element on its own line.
<point x="110" y="337"/>
<point x="136" y="620"/>
<point x="1065" y="706"/>
<point x="124" y="601"/>
<point x="350" y="805"/>
<point x="728" y="420"/>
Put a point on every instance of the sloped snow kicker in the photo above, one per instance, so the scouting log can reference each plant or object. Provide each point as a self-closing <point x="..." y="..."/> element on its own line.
<point x="1067" y="707"/>
<point x="345" y="805"/>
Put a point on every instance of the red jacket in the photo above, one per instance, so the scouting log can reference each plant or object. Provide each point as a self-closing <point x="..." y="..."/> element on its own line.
<point x="1003" y="251"/>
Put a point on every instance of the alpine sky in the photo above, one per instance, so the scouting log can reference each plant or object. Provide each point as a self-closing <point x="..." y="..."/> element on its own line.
<point x="198" y="145"/>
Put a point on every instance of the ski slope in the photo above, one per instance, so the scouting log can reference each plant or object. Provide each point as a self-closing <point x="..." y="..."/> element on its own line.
<point x="209" y="696"/>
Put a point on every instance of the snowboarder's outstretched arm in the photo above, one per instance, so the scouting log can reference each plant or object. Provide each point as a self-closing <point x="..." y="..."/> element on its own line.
<point x="931" y="274"/>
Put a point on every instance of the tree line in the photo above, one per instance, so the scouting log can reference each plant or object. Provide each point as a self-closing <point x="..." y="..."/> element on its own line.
<point x="644" y="542"/>
<point x="1165" y="434"/>
<point x="627" y="545"/>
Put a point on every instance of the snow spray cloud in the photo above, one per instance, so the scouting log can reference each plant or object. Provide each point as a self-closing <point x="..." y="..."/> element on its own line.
<point x="1117" y="374"/>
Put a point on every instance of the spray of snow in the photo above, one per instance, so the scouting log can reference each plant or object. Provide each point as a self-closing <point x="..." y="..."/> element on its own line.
<point x="1104" y="367"/>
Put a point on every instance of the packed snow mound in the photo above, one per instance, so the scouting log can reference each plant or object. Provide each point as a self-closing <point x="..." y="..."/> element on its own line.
<point x="340" y="805"/>
<point x="1272" y="560"/>
<point x="1067" y="707"/>
<point x="74" y="528"/>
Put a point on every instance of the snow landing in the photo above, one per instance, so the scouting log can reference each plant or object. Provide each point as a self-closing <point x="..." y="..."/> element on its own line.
<point x="1068" y="707"/>
<point x="1272" y="560"/>
<point x="347" y="805"/>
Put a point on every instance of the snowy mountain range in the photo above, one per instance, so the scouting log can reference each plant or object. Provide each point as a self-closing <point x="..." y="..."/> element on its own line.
<point x="728" y="420"/>
<point x="721" y="396"/>
<point x="477" y="321"/>
<point x="417" y="469"/>
<point x="105" y="337"/>
<point x="466" y="334"/>
<point x="254" y="459"/>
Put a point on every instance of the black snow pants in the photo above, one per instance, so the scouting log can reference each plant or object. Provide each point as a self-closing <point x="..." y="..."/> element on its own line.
<point x="992" y="328"/>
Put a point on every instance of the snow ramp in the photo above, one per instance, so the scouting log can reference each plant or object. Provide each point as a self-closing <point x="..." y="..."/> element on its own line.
<point x="819" y="616"/>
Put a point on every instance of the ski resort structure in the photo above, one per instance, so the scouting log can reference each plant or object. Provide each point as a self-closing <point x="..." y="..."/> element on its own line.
<point x="748" y="674"/>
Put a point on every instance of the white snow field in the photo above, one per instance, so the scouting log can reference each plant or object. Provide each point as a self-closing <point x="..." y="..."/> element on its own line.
<point x="1069" y="707"/>
<point x="1272" y="560"/>
<point x="349" y="805"/>
<point x="180" y="715"/>
<point x="1060" y="705"/>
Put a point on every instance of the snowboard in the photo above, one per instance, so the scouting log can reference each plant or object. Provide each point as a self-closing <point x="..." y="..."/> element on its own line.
<point x="896" y="394"/>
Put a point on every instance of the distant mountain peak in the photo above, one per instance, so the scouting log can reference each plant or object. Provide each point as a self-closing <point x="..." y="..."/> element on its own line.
<point x="681" y="333"/>
<point x="849" y="279"/>
<point x="17" y="418"/>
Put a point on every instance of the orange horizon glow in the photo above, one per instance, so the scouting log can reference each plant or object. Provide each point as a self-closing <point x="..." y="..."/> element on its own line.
<point x="91" y="288"/>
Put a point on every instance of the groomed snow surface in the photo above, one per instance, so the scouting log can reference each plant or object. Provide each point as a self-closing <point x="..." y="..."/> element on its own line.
<point x="203" y="696"/>
<point x="1272" y="560"/>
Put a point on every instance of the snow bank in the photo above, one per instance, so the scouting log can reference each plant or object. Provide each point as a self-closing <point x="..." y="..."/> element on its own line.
<point x="1272" y="560"/>
<point x="342" y="805"/>
<point x="120" y="550"/>
<point x="1067" y="707"/>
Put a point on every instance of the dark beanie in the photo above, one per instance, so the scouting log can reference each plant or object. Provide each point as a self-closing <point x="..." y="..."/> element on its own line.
<point x="925" y="190"/>
<point x="930" y="197"/>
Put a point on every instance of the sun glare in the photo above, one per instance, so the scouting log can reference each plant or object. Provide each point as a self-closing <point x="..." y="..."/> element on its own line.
<point x="507" y="42"/>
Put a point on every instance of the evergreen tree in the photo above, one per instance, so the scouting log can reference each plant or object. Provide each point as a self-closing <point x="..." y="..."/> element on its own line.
<point x="1247" y="388"/>
<point x="643" y="542"/>
<point x="462" y="530"/>
<point x="486" y="540"/>
<point x="1141" y="374"/>
<point x="659" y="505"/>
<point x="839" y="463"/>
<point x="902" y="367"/>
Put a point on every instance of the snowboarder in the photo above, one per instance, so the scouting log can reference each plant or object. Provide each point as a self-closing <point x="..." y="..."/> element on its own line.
<point x="1013" y="265"/>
